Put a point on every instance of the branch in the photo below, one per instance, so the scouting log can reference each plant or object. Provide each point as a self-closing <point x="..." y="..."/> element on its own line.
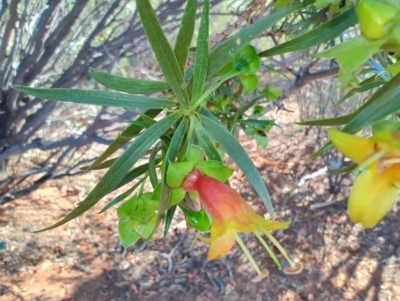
<point x="10" y="25"/>
<point x="55" y="39"/>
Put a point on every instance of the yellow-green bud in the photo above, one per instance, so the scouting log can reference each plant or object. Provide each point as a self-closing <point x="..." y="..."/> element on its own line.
<point x="373" y="15"/>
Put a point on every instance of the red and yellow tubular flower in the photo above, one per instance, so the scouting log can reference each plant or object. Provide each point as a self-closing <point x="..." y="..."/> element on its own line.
<point x="376" y="188"/>
<point x="231" y="214"/>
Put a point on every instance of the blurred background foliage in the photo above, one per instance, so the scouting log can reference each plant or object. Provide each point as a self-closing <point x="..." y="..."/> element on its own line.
<point x="54" y="43"/>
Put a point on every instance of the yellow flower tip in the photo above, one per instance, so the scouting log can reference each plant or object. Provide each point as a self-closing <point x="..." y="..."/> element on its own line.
<point x="372" y="196"/>
<point x="335" y="135"/>
<point x="297" y="268"/>
<point x="364" y="219"/>
<point x="258" y="278"/>
<point x="356" y="148"/>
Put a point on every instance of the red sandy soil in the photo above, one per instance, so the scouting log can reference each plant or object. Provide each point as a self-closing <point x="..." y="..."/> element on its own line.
<point x="84" y="259"/>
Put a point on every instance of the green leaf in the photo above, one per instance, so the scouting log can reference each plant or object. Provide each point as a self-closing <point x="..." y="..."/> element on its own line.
<point x="249" y="82"/>
<point x="258" y="123"/>
<point x="145" y="208"/>
<point x="127" y="208"/>
<point x="126" y="84"/>
<point x="205" y="141"/>
<point x="134" y="173"/>
<point x="162" y="49"/>
<point x="385" y="125"/>
<point x="193" y="154"/>
<point x="325" y="32"/>
<point x="126" y="233"/>
<point x="281" y="3"/>
<point x="236" y="152"/>
<point x="345" y="169"/>
<point x="177" y="172"/>
<point x="215" y="169"/>
<point x="172" y="152"/>
<point x="394" y="69"/>
<point x="351" y="54"/>
<point x="368" y="84"/>
<point x="122" y="196"/>
<point x="261" y="140"/>
<point x="246" y="62"/>
<point x="322" y="3"/>
<point x="131" y="230"/>
<point x="329" y="121"/>
<point x="185" y="33"/>
<point x="177" y="195"/>
<point x="100" y="98"/>
<point x="121" y="166"/>
<point x="322" y="150"/>
<point x="102" y="165"/>
<point x="272" y="93"/>
<point x="201" y="63"/>
<point x="168" y="219"/>
<point x="224" y="52"/>
<point x="383" y="102"/>
<point x="146" y="228"/>
<point x="123" y="138"/>
<point x="152" y="167"/>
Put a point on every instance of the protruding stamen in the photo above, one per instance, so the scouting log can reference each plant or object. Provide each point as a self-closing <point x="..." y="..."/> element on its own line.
<point x="196" y="237"/>
<point x="280" y="248"/>
<point x="388" y="162"/>
<point x="372" y="159"/>
<point x="247" y="253"/>
<point x="270" y="252"/>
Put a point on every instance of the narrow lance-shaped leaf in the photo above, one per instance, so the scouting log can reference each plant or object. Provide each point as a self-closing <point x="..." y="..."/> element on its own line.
<point x="381" y="104"/>
<point x="236" y="152"/>
<point x="205" y="142"/>
<point x="172" y="153"/>
<point x="246" y="62"/>
<point x="162" y="49"/>
<point x="134" y="173"/>
<point x="329" y="121"/>
<point x="385" y="125"/>
<point x="201" y="63"/>
<point x="367" y="84"/>
<point x="228" y="49"/>
<point x="122" y="139"/>
<point x="127" y="84"/>
<point x="152" y="167"/>
<point x="120" y="167"/>
<point x="385" y="101"/>
<point x="185" y="33"/>
<point x="325" y="32"/>
<point x="100" y="98"/>
<point x="102" y="165"/>
<point x="168" y="219"/>
<point x="122" y="196"/>
<point x="351" y="54"/>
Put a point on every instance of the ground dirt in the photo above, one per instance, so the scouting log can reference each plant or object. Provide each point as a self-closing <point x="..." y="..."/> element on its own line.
<point x="84" y="259"/>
